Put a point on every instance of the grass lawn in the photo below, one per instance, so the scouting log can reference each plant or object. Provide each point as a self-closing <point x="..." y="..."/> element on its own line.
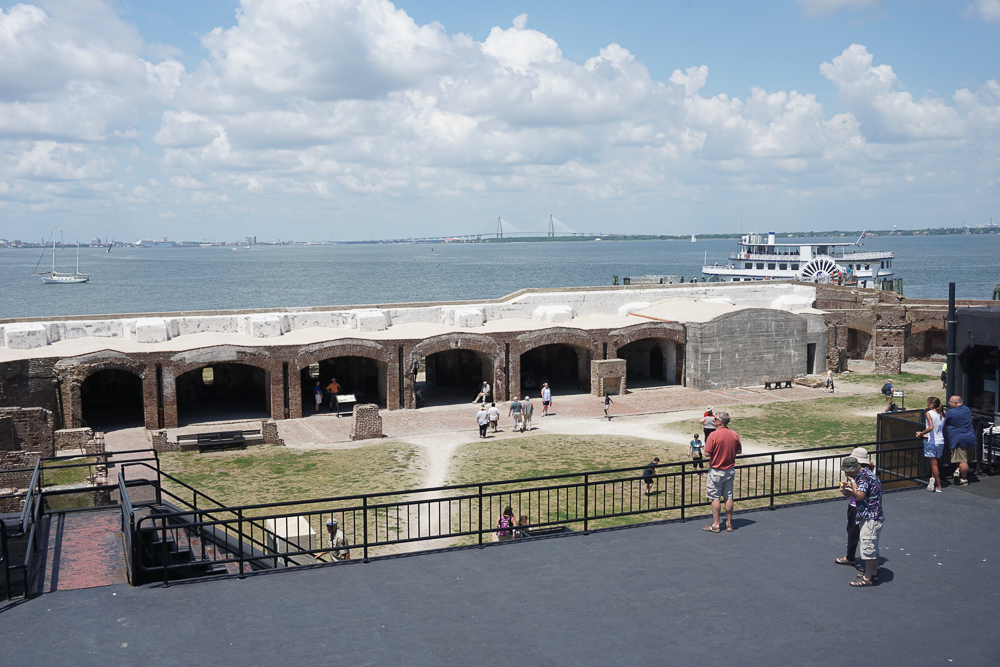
<point x="276" y="474"/>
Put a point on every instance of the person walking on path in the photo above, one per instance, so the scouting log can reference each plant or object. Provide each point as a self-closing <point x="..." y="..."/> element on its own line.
<point x="708" y="422"/>
<point x="494" y="416"/>
<point x="527" y="409"/>
<point x="853" y="529"/>
<point x="318" y="395"/>
<point x="483" y="419"/>
<point x="829" y="381"/>
<point x="695" y="452"/>
<point x="887" y="391"/>
<point x="333" y="388"/>
<point x="484" y="393"/>
<point x="607" y="405"/>
<point x="546" y="398"/>
<point x="515" y="411"/>
<point x="336" y="542"/>
<point x="933" y="437"/>
<point x="866" y="488"/>
<point x="648" y="472"/>
<point x="960" y="436"/>
<point x="722" y="448"/>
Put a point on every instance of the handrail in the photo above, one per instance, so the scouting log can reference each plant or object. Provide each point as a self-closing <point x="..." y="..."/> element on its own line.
<point x="5" y="558"/>
<point x="34" y="487"/>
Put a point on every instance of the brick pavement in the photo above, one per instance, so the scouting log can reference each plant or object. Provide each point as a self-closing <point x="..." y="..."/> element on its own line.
<point x="82" y="550"/>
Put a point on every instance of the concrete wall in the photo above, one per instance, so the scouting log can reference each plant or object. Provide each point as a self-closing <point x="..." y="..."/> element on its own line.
<point x="747" y="347"/>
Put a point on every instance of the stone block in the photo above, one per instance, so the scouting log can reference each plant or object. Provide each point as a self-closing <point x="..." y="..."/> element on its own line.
<point x="629" y="308"/>
<point x="289" y="534"/>
<point x="469" y="317"/>
<point x="25" y="336"/>
<point x="151" y="330"/>
<point x="366" y="423"/>
<point x="888" y="360"/>
<point x="554" y="314"/>
<point x="607" y="375"/>
<point x="371" y="319"/>
<point x="158" y="439"/>
<point x="269" y="430"/>
<point x="264" y="326"/>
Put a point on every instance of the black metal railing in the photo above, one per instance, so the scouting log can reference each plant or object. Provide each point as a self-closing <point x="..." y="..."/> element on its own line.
<point x="290" y="533"/>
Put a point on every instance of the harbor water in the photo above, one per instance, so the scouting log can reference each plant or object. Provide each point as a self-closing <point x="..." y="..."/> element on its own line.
<point x="147" y="280"/>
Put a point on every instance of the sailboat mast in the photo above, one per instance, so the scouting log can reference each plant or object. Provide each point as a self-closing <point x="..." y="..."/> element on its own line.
<point x="53" y="255"/>
<point x="77" y="259"/>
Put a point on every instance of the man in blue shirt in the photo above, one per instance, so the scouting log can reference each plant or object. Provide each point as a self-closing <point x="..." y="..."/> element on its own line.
<point x="960" y="436"/>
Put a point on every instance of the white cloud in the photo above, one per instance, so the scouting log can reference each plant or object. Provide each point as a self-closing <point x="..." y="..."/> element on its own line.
<point x="988" y="10"/>
<point x="824" y="7"/>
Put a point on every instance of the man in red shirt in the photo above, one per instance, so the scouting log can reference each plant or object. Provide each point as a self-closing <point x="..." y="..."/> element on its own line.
<point x="721" y="447"/>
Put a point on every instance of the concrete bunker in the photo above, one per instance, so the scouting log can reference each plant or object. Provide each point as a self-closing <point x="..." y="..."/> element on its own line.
<point x="112" y="398"/>
<point x="564" y="366"/>
<point x="363" y="377"/>
<point x="652" y="362"/>
<point x="223" y="391"/>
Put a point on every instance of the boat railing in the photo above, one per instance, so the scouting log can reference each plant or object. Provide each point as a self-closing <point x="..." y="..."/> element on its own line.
<point x="867" y="256"/>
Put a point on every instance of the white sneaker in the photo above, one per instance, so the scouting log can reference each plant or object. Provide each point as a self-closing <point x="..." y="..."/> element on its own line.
<point x="930" y="485"/>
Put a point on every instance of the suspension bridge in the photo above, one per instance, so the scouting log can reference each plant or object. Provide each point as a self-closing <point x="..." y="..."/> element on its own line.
<point x="549" y="227"/>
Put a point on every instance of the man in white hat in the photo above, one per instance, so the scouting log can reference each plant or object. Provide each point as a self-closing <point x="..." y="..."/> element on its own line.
<point x="336" y="542"/>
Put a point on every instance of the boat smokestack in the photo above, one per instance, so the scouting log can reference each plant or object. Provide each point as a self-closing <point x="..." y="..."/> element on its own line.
<point x="770" y="238"/>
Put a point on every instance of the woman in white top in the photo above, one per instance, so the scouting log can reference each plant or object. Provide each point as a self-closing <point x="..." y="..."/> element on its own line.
<point x="933" y="440"/>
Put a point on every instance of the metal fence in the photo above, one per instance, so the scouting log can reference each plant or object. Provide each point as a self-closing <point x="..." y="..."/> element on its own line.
<point x="291" y="533"/>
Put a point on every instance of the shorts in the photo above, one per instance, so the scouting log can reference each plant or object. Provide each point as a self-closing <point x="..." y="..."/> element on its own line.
<point x="319" y="399"/>
<point x="933" y="451"/>
<point x="960" y="455"/>
<point x="720" y="483"/>
<point x="870" y="531"/>
<point x="546" y="402"/>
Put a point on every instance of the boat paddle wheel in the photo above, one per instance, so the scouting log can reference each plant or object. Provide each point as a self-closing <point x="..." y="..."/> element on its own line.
<point x="819" y="270"/>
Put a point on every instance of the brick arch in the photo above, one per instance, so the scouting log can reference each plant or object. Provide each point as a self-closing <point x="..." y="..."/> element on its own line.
<point x="619" y="338"/>
<point x="551" y="336"/>
<point x="455" y="341"/>
<point x="192" y="360"/>
<point x="74" y="371"/>
<point x="345" y="347"/>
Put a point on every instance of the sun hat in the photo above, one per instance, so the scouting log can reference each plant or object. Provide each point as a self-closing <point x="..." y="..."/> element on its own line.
<point x="861" y="454"/>
<point x="850" y="464"/>
<point x="331" y="522"/>
<point x="708" y="409"/>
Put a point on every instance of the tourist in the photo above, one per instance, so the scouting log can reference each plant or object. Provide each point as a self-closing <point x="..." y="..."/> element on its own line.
<point x="829" y="381"/>
<point x="333" y="388"/>
<point x="515" y="411"/>
<point x="607" y="405"/>
<point x="933" y="437"/>
<point x="853" y="529"/>
<point x="648" y="472"/>
<point x="708" y="422"/>
<point x="887" y="391"/>
<point x="506" y="524"/>
<point x="944" y="376"/>
<point x="722" y="448"/>
<point x="483" y="419"/>
<point x="866" y="488"/>
<point x="960" y="436"/>
<point x="527" y="409"/>
<point x="318" y="394"/>
<point x="695" y="452"/>
<point x="484" y="393"/>
<point x="546" y="398"/>
<point x="336" y="542"/>
<point x="494" y="415"/>
<point x="522" y="527"/>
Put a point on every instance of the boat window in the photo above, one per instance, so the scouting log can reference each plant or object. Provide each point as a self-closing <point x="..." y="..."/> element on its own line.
<point x="795" y="267"/>
<point x="760" y="265"/>
<point x="771" y="266"/>
<point x="783" y="267"/>
<point x="748" y="265"/>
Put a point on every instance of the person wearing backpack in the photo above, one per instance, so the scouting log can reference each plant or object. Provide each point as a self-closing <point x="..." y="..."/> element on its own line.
<point x="887" y="391"/>
<point x="505" y="524"/>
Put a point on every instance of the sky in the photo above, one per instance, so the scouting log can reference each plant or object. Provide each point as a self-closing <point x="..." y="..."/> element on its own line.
<point x="201" y="120"/>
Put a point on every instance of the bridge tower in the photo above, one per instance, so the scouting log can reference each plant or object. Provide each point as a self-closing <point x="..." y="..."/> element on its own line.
<point x="552" y="228"/>
<point x="499" y="227"/>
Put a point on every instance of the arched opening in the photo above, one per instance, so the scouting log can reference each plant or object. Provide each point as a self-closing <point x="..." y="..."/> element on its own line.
<point x="454" y="376"/>
<point x="111" y="399"/>
<point x="222" y="392"/>
<point x="566" y="369"/>
<point x="651" y="362"/>
<point x="360" y="376"/>
<point x="858" y="343"/>
<point x="925" y="344"/>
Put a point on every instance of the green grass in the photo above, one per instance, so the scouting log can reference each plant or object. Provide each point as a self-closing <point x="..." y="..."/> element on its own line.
<point x="53" y="476"/>
<point x="902" y="378"/>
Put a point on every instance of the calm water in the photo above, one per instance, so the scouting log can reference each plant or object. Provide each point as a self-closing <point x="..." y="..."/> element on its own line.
<point x="128" y="280"/>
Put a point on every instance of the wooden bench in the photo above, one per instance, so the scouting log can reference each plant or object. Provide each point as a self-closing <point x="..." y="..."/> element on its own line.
<point x="218" y="440"/>
<point x="777" y="384"/>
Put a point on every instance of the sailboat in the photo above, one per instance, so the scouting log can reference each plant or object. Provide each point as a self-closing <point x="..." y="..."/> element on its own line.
<point x="693" y="239"/>
<point x="53" y="278"/>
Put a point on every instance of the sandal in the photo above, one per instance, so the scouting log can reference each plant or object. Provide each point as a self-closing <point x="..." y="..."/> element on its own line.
<point x="729" y="528"/>
<point x="861" y="581"/>
<point x="844" y="561"/>
<point x="711" y="529"/>
<point x="861" y="575"/>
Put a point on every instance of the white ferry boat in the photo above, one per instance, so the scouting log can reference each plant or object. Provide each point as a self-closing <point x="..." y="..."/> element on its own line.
<point x="762" y="258"/>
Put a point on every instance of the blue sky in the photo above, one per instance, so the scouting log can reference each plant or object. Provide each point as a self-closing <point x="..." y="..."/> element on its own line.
<point x="344" y="119"/>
